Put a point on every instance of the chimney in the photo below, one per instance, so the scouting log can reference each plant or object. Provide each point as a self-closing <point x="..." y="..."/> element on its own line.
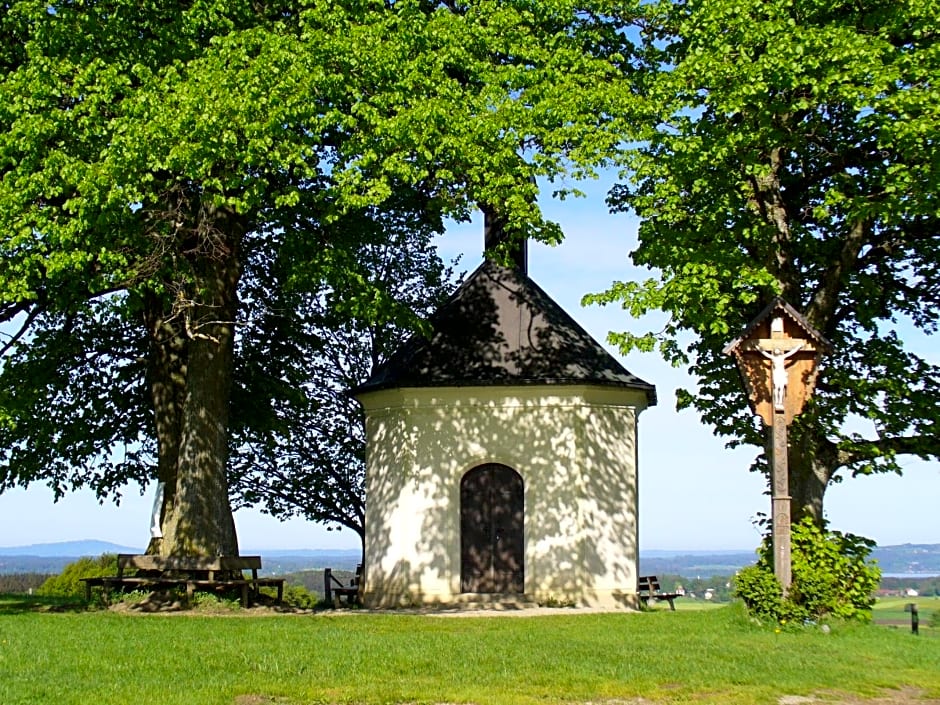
<point x="494" y="235"/>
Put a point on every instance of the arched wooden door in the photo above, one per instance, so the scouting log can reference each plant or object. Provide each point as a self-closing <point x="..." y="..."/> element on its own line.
<point x="492" y="518"/>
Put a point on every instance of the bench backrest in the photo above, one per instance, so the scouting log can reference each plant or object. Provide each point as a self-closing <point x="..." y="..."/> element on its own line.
<point x="187" y="563"/>
<point x="648" y="583"/>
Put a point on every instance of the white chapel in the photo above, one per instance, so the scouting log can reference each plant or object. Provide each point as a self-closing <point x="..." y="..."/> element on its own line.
<point x="502" y="456"/>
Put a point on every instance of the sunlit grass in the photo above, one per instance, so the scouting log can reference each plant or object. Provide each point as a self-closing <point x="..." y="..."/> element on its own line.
<point x="713" y="655"/>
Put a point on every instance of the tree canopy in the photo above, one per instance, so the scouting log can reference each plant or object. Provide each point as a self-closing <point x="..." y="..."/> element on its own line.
<point x="307" y="458"/>
<point x="150" y="151"/>
<point x="793" y="148"/>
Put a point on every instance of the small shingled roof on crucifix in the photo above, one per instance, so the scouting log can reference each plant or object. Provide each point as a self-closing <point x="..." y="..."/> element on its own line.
<point x="778" y="356"/>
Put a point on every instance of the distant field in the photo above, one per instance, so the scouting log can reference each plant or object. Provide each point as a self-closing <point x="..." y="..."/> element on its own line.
<point x="687" y="605"/>
<point x="889" y="611"/>
<point x="692" y="655"/>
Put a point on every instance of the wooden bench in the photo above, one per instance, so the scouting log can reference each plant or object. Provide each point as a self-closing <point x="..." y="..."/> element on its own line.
<point x="190" y="571"/>
<point x="332" y="586"/>
<point x="648" y="588"/>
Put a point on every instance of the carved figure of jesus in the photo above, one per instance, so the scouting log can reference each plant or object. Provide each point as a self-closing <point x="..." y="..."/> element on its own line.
<point x="155" y="531"/>
<point x="779" y="376"/>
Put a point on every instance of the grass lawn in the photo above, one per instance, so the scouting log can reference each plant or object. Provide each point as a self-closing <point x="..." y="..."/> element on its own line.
<point x="695" y="656"/>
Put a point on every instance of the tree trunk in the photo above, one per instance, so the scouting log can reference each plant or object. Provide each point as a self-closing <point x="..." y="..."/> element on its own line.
<point x="812" y="465"/>
<point x="168" y="352"/>
<point x="200" y="520"/>
<point x="192" y="420"/>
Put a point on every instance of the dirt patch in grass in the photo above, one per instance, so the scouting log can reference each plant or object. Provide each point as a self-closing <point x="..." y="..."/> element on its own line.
<point x="901" y="696"/>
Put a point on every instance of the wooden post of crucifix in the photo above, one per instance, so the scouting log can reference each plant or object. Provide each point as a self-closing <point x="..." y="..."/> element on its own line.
<point x="778" y="357"/>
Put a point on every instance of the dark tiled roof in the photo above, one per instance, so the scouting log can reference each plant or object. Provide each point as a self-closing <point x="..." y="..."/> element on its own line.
<point x="501" y="328"/>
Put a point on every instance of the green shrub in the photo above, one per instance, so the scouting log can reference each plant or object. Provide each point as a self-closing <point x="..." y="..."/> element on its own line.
<point x="831" y="577"/>
<point x="211" y="602"/>
<point x="934" y="620"/>
<point x="68" y="582"/>
<point x="297" y="596"/>
<point x="760" y="591"/>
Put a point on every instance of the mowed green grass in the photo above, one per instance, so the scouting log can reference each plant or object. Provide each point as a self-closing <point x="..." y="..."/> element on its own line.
<point x="700" y="656"/>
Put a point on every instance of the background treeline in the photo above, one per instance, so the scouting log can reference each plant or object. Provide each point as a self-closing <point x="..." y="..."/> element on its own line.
<point x="22" y="582"/>
<point x="696" y="565"/>
<point x="927" y="586"/>
<point x="906" y="558"/>
<point x="312" y="581"/>
<point x="716" y="588"/>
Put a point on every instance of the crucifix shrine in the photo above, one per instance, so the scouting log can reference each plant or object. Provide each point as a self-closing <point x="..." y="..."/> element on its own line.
<point x="778" y="356"/>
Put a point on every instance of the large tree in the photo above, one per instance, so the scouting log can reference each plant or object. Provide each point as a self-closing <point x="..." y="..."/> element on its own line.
<point x="147" y="149"/>
<point x="300" y="451"/>
<point x="792" y="147"/>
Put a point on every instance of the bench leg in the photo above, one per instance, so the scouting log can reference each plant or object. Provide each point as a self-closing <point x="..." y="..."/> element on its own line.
<point x="245" y="595"/>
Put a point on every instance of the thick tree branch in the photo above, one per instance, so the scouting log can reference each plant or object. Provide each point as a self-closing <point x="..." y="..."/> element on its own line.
<point x="893" y="242"/>
<point x="767" y="200"/>
<point x="826" y="298"/>
<point x="920" y="445"/>
<point x="14" y="309"/>
<point x="15" y="338"/>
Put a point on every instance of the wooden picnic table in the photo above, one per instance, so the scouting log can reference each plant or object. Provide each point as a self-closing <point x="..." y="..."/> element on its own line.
<point x="190" y="571"/>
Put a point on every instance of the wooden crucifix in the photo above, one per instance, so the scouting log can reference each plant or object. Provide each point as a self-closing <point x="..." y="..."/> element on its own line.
<point x="778" y="357"/>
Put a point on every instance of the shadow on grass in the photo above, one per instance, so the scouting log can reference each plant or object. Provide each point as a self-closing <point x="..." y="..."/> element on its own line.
<point x="21" y="604"/>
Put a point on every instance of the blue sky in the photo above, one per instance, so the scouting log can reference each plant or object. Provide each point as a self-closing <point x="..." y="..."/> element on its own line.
<point x="694" y="493"/>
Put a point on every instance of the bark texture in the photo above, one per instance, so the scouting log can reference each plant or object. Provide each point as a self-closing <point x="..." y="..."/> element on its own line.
<point x="192" y="348"/>
<point x="813" y="462"/>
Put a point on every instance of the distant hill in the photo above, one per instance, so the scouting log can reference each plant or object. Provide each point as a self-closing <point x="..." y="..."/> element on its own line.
<point x="49" y="558"/>
<point x="286" y="561"/>
<point x="913" y="558"/>
<point x="916" y="559"/>
<point x="906" y="559"/>
<point x="694" y="564"/>
<point x="53" y="557"/>
<point x="75" y="549"/>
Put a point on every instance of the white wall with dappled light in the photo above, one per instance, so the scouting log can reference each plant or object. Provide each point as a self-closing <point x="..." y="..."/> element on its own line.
<point x="502" y="456"/>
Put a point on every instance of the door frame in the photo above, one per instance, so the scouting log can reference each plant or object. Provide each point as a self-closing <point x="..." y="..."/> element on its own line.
<point x="507" y="481"/>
